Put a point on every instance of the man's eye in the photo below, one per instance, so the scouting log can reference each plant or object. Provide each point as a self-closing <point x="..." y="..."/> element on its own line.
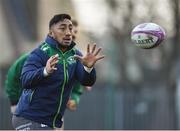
<point x="61" y="28"/>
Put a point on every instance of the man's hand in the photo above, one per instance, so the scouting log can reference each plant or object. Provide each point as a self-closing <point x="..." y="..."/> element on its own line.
<point x="71" y="105"/>
<point x="51" y="63"/>
<point x="91" y="56"/>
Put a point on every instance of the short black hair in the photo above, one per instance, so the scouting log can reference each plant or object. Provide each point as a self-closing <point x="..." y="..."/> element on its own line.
<point x="57" y="18"/>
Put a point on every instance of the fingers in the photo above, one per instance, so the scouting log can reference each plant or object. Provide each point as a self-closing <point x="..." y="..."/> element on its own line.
<point x="88" y="48"/>
<point x="94" y="51"/>
<point x="100" y="57"/>
<point x="54" y="60"/>
<point x="51" y="63"/>
<point x="55" y="57"/>
<point x="97" y="52"/>
<point x="94" y="47"/>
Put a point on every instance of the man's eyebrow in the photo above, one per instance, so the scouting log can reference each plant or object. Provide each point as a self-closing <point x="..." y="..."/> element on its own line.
<point x="62" y="25"/>
<point x="65" y="25"/>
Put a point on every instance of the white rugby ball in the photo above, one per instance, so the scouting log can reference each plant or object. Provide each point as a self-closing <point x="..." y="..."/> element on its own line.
<point x="147" y="35"/>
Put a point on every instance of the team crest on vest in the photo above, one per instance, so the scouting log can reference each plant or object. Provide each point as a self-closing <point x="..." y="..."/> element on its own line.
<point x="45" y="48"/>
<point x="71" y="60"/>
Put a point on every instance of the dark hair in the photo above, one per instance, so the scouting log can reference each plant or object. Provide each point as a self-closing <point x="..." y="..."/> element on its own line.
<point x="57" y="18"/>
<point x="74" y="22"/>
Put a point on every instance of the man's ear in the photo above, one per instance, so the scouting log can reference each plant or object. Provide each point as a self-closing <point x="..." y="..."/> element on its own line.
<point x="50" y="33"/>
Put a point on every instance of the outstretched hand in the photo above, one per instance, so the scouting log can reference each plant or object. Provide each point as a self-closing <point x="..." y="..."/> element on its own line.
<point x="91" y="56"/>
<point x="51" y="64"/>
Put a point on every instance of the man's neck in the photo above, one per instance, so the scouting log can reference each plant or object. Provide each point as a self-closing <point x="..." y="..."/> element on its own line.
<point x="63" y="49"/>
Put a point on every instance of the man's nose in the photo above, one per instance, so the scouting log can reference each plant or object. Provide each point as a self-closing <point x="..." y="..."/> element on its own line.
<point x="68" y="32"/>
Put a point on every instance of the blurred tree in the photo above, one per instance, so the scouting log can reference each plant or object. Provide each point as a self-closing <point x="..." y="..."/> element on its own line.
<point x="120" y="28"/>
<point x="122" y="19"/>
<point x="155" y="66"/>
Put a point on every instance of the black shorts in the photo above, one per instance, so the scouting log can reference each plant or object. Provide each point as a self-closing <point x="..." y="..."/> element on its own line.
<point x="20" y="123"/>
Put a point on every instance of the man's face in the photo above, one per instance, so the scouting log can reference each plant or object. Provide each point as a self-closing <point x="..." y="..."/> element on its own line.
<point x="62" y="32"/>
